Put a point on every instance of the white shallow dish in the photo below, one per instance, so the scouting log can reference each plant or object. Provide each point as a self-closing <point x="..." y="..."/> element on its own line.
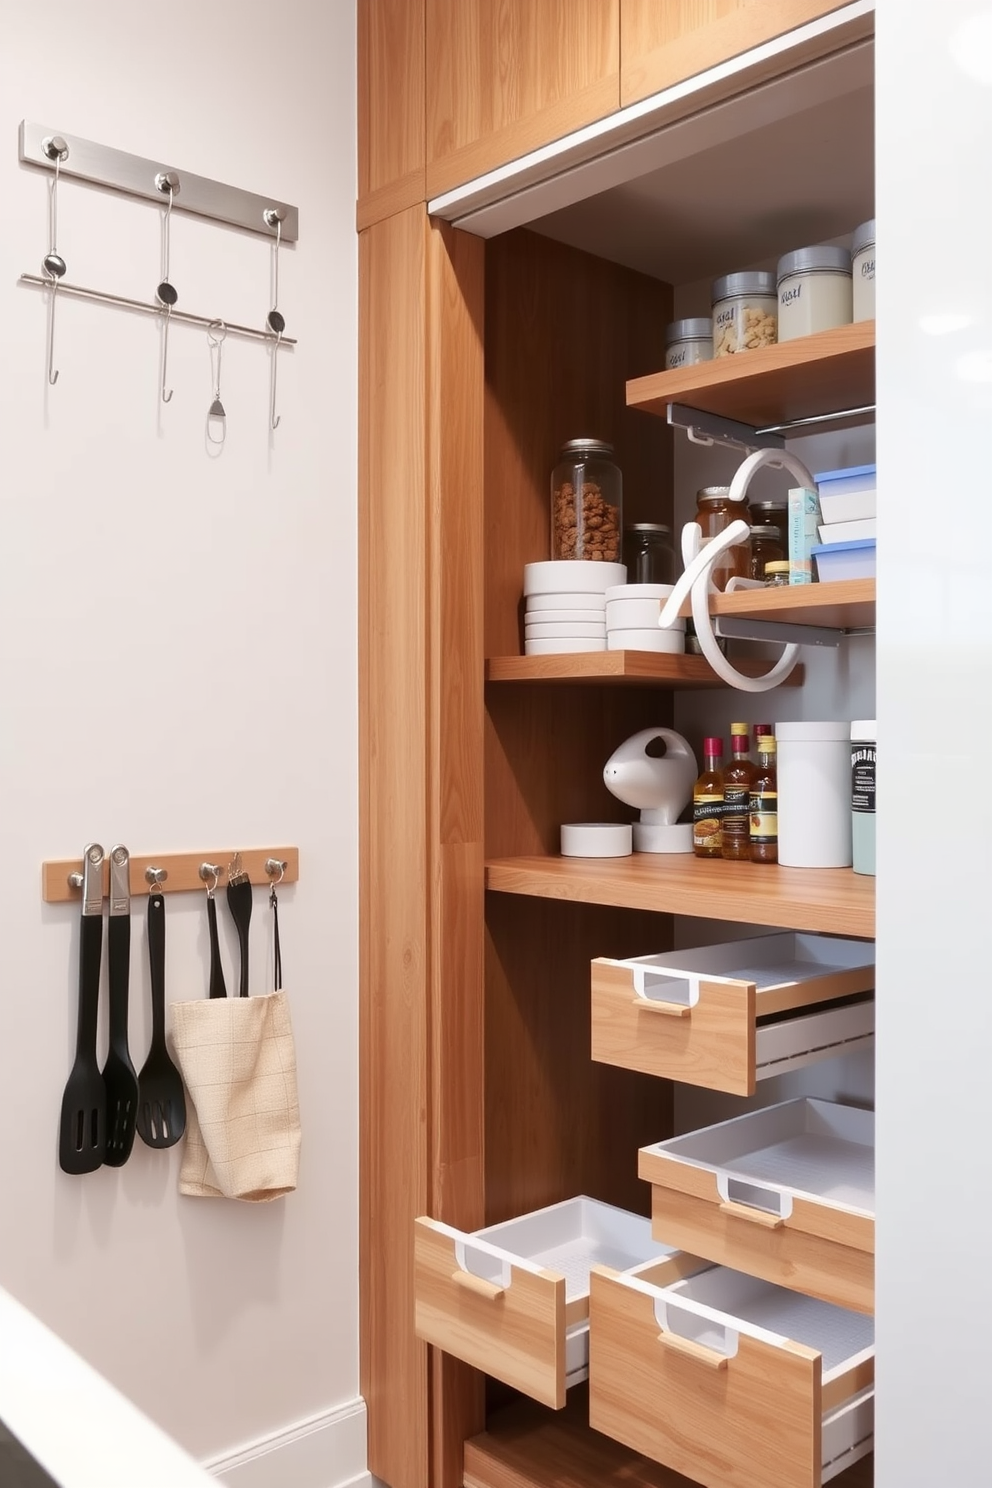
<point x="588" y="600"/>
<point x="670" y="641"/>
<point x="639" y="591"/>
<point x="636" y="614"/>
<point x="563" y="647"/>
<point x="565" y="622"/>
<point x="597" y="839"/>
<point x="572" y="576"/>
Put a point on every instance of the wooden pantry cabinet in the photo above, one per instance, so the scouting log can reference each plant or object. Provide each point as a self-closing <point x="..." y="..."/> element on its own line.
<point x="479" y="1097"/>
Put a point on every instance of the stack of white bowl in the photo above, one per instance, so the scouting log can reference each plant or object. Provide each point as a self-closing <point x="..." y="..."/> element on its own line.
<point x="566" y="605"/>
<point x="632" y="612"/>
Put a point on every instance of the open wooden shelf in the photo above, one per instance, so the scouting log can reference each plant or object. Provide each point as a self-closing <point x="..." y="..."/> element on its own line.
<point x="836" y="900"/>
<point x="848" y="604"/>
<point x="825" y="373"/>
<point x="527" y="1446"/>
<point x="644" y="668"/>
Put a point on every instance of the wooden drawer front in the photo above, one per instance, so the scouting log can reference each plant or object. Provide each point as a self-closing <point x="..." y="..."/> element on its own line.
<point x="687" y="1015"/>
<point x="512" y="1327"/>
<point x="746" y="1408"/>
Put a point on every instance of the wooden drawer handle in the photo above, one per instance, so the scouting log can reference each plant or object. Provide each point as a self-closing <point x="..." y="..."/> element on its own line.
<point x="670" y="1009"/>
<point x="753" y="1216"/>
<point x="478" y="1284"/>
<point x="712" y="1358"/>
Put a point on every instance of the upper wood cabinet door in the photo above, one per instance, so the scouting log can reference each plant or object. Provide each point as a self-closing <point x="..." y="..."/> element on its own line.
<point x="665" y="41"/>
<point x="505" y="76"/>
<point x="391" y="151"/>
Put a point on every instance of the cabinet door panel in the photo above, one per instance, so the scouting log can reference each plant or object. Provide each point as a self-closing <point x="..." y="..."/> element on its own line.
<point x="662" y="44"/>
<point x="506" y="76"/>
<point x="391" y="152"/>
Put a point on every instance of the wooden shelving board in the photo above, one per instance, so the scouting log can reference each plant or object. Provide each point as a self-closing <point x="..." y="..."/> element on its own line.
<point x="633" y="668"/>
<point x="526" y="1446"/>
<point x="848" y="604"/>
<point x="836" y="900"/>
<point x="825" y="373"/>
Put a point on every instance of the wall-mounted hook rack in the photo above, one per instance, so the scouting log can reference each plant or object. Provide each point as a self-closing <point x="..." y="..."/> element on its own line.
<point x="146" y="307"/>
<point x="138" y="176"/>
<point x="182" y="871"/>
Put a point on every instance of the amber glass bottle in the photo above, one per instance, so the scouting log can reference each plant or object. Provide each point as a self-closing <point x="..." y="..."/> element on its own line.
<point x="764" y="805"/>
<point x="737" y="778"/>
<point x="707" y="802"/>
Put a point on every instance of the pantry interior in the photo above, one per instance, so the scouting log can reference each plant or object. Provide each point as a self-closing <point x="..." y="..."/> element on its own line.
<point x="530" y="339"/>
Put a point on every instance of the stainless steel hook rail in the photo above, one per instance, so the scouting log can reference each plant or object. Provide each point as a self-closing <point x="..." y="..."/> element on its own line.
<point x="137" y="176"/>
<point x="146" y="307"/>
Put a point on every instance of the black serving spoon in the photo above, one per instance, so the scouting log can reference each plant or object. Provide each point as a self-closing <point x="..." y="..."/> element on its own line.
<point x="161" y="1101"/>
<point x="119" y="1078"/>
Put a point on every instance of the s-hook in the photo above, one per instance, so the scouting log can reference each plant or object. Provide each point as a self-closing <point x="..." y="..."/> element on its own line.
<point x="53" y="264"/>
<point x="166" y="181"/>
<point x="216" y="332"/>
<point x="275" y="320"/>
<point x="274" y="867"/>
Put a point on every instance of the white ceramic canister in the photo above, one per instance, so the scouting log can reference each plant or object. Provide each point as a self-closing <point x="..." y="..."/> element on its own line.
<point x="863" y="253"/>
<point x="688" y="342"/>
<point x="814" y="291"/>
<point x="814" y="795"/>
<point x="864" y="734"/>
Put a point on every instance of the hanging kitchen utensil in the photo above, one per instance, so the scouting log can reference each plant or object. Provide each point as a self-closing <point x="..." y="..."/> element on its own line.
<point x="83" y="1124"/>
<point x="210" y="873"/>
<point x="166" y="181"/>
<point x="119" y="1078"/>
<point x="53" y="264"/>
<point x="161" y="1101"/>
<point x="239" y="895"/>
<point x="216" y="332"/>
<point x="273" y="867"/>
<point x="275" y="320"/>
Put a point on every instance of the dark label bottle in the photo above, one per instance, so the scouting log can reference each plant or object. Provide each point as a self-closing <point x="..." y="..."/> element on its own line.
<point x="764" y="805"/>
<point x="737" y="779"/>
<point x="707" y="803"/>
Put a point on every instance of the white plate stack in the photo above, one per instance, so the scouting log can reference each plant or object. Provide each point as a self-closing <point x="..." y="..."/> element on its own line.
<point x="566" y="605"/>
<point x="632" y="612"/>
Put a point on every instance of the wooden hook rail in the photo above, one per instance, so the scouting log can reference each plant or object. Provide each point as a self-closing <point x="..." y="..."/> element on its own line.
<point x="182" y="870"/>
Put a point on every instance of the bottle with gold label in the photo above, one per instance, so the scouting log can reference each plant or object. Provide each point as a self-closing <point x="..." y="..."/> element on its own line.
<point x="764" y="805"/>
<point x="707" y="802"/>
<point x="737" y="778"/>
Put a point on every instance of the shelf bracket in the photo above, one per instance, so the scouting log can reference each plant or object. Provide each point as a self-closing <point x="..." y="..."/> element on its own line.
<point x="741" y="628"/>
<point x="712" y="428"/>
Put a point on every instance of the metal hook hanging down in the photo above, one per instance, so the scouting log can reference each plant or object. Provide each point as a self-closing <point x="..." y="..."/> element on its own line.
<point x="53" y="264"/>
<point x="275" y="321"/>
<point x="166" y="294"/>
<point x="216" y="332"/>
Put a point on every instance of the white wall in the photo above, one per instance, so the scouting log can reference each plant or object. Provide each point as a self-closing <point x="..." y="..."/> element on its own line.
<point x="934" y="109"/>
<point x="178" y="671"/>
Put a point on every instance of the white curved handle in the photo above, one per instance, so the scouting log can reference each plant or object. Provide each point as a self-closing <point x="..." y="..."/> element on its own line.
<point x="696" y="578"/>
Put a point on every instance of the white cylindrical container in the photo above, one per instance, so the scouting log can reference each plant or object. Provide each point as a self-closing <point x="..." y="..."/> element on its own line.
<point x="814" y="291"/>
<point x="864" y="735"/>
<point x="596" y="840"/>
<point x="688" y="342"/>
<point x="814" y="795"/>
<point x="671" y="642"/>
<point x="637" y="606"/>
<point x="863" y="253"/>
<point x="745" y="312"/>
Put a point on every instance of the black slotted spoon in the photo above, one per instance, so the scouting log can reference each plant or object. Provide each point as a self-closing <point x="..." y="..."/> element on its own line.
<point x="120" y="1081"/>
<point x="161" y="1101"/>
<point x="83" y="1124"/>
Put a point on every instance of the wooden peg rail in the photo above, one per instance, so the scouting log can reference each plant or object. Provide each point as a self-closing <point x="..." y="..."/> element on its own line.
<point x="183" y="871"/>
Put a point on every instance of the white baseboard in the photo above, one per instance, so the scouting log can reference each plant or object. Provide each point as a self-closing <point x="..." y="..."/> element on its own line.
<point x="326" y="1451"/>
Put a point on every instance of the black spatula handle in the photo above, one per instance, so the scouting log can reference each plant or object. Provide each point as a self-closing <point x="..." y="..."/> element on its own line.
<point x="156" y="964"/>
<point x="90" y="943"/>
<point x="218" y="987"/>
<point x="118" y="964"/>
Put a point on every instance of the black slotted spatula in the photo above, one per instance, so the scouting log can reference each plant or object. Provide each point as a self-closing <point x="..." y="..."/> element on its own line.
<point x="120" y="1081"/>
<point x="83" y="1125"/>
<point x="161" y="1101"/>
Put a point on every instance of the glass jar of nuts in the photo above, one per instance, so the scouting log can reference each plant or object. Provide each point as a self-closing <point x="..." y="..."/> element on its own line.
<point x="745" y="312"/>
<point x="586" y="502"/>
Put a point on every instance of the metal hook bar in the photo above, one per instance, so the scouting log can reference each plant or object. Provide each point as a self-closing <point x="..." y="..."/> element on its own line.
<point x="146" y="307"/>
<point x="155" y="877"/>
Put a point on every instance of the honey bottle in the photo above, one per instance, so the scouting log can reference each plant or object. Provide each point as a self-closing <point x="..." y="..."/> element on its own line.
<point x="764" y="805"/>
<point x="737" y="780"/>
<point x="707" y="802"/>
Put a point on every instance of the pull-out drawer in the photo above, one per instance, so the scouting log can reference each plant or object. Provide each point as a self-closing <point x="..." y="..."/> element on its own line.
<point x="732" y="1381"/>
<point x="719" y="1016"/>
<point x="513" y="1299"/>
<point x="787" y="1193"/>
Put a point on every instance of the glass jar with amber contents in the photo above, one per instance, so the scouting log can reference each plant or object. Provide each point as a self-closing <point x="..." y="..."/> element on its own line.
<point x="586" y="503"/>
<point x="714" y="513"/>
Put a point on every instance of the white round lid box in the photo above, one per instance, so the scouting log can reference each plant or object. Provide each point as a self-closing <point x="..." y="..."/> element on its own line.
<point x="814" y="794"/>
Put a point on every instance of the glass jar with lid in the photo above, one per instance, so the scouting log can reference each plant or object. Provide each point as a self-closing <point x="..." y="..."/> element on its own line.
<point x="814" y="291"/>
<point x="648" y="553"/>
<point x="863" y="253"/>
<point x="586" y="502"/>
<point x="771" y="511"/>
<point x="777" y="573"/>
<point x="688" y="342"/>
<point x="766" y="547"/>
<point x="714" y="513"/>
<point x="745" y="312"/>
